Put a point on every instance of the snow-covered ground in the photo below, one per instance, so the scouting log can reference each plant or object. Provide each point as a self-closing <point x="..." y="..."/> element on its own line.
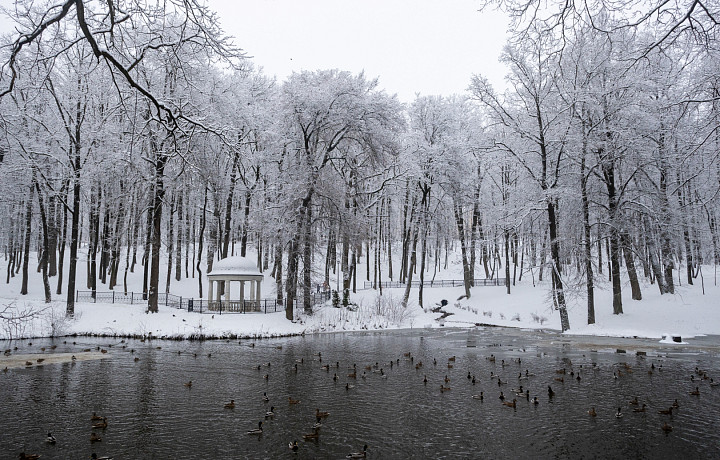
<point x="687" y="313"/>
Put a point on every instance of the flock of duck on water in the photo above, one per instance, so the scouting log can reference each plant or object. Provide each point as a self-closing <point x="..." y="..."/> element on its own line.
<point x="561" y="376"/>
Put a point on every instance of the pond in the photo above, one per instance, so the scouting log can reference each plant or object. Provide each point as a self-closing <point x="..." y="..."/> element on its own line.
<point x="141" y="387"/>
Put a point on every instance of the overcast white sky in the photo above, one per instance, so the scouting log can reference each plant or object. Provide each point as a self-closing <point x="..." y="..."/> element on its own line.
<point x="429" y="47"/>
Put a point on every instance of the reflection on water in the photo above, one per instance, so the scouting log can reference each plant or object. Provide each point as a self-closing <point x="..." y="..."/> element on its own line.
<point x="152" y="414"/>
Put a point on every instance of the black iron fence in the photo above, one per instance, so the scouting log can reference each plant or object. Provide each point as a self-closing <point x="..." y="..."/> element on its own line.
<point x="197" y="305"/>
<point x="438" y="283"/>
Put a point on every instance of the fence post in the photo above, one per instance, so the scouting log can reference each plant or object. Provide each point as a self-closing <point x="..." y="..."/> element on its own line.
<point x="113" y="301"/>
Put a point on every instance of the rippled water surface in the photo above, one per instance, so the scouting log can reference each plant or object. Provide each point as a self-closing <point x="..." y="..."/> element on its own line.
<point x="153" y="415"/>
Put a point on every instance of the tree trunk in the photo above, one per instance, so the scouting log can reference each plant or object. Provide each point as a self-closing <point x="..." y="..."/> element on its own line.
<point x="559" y="292"/>
<point x="630" y="265"/>
<point x="28" y="234"/>
<point x="459" y="221"/>
<point x="46" y="242"/>
<point x="159" y="189"/>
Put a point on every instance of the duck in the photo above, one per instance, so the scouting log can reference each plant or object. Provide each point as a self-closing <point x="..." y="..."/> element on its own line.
<point x="443" y="388"/>
<point x="560" y="379"/>
<point x="95" y="438"/>
<point x="24" y="456"/>
<point x="230" y="405"/>
<point x="592" y="412"/>
<point x="265" y="397"/>
<point x="480" y="396"/>
<point x="270" y="413"/>
<point x="50" y="438"/>
<point x="94" y="456"/>
<point x="535" y="401"/>
<point x="383" y="375"/>
<point x="425" y="379"/>
<point x="335" y="377"/>
<point x="257" y="430"/>
<point x="317" y="424"/>
<point x="293" y="446"/>
<point x="519" y="391"/>
<point x="349" y="387"/>
<point x="101" y="424"/>
<point x="95" y="417"/>
<point x="510" y="404"/>
<point x="666" y="428"/>
<point x="502" y="396"/>
<point x="311" y="436"/>
<point x="666" y="411"/>
<point x="473" y="380"/>
<point x="362" y="454"/>
<point x="293" y="401"/>
<point x="551" y="393"/>
<point x="447" y="379"/>
<point x="452" y="358"/>
<point x="319" y="414"/>
<point x="640" y="409"/>
<point x="714" y="383"/>
<point x="695" y="392"/>
<point x="676" y="404"/>
<point x="634" y="401"/>
<point x="188" y="384"/>
<point x="618" y="414"/>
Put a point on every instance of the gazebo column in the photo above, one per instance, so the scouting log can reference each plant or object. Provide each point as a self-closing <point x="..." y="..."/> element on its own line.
<point x="252" y="290"/>
<point x="210" y="291"/>
<point x="218" y="293"/>
<point x="257" y="293"/>
<point x="227" y="294"/>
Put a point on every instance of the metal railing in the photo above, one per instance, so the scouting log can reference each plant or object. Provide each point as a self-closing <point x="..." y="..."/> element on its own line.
<point x="438" y="283"/>
<point x="197" y="305"/>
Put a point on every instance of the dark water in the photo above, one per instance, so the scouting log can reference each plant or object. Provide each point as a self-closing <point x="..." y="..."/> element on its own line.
<point x="152" y="415"/>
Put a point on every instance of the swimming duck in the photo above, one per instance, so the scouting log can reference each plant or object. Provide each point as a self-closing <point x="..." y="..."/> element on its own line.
<point x="50" y="439"/>
<point x="675" y="404"/>
<point x="519" y="391"/>
<point x="551" y="393"/>
<point x="382" y="374"/>
<point x="713" y="383"/>
<point x="560" y="379"/>
<point x="452" y="358"/>
<point x="257" y="430"/>
<point x="293" y="401"/>
<point x="230" y="405"/>
<point x="425" y="379"/>
<point x="618" y="414"/>
<point x="319" y="414"/>
<point x="102" y="424"/>
<point x="640" y="409"/>
<point x="311" y="436"/>
<point x="473" y="380"/>
<point x="447" y="379"/>
<point x="592" y="412"/>
<point x="362" y="454"/>
<point x="94" y="456"/>
<point x="95" y="416"/>
<point x="666" y="428"/>
<point x="535" y="400"/>
<point x="293" y="446"/>
<point x="480" y="396"/>
<point x="95" y="438"/>
<point x="666" y="411"/>
<point x="335" y="377"/>
<point x="317" y="424"/>
<point x="502" y="396"/>
<point x="349" y="387"/>
<point x="265" y="398"/>
<point x="270" y="413"/>
<point x="695" y="392"/>
<point x="634" y="401"/>
<point x="188" y="384"/>
<point x="443" y="389"/>
<point x="510" y="404"/>
<point x="24" y="456"/>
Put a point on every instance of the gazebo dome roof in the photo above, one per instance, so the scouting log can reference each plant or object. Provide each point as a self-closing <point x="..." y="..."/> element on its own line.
<point x="235" y="265"/>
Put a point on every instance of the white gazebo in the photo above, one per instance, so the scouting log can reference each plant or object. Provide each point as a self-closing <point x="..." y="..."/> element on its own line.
<point x="225" y="274"/>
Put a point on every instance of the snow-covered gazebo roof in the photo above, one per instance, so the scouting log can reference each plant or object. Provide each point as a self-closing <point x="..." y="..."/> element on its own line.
<point x="236" y="267"/>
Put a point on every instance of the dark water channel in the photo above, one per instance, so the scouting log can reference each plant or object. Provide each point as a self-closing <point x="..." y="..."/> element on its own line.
<point x="151" y="414"/>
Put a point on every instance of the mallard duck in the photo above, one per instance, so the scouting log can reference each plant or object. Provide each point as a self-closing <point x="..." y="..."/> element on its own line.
<point x="270" y="413"/>
<point x="425" y="379"/>
<point x="335" y="377"/>
<point x="317" y="424"/>
<point x="349" y="387"/>
<point x="618" y="414"/>
<point x="321" y="414"/>
<point x="95" y="438"/>
<point x="695" y="392"/>
<point x="675" y="404"/>
<point x="362" y="454"/>
<point x="383" y="375"/>
<point x="560" y="379"/>
<point x="311" y="436"/>
<point x="551" y="393"/>
<point x="24" y="456"/>
<point x="293" y="446"/>
<point x="50" y="439"/>
<point x="95" y="417"/>
<point x="352" y="375"/>
<point x="452" y="358"/>
<point x="666" y="428"/>
<point x="634" y="401"/>
<point x="510" y="404"/>
<point x="640" y="409"/>
<point x="447" y="379"/>
<point x="265" y="397"/>
<point x="293" y="401"/>
<point x="519" y="391"/>
<point x="230" y="405"/>
<point x="94" y="456"/>
<point x="480" y="396"/>
<point x="535" y="400"/>
<point x="188" y="384"/>
<point x="101" y="424"/>
<point x="666" y="411"/>
<point x="714" y="383"/>
<point x="502" y="396"/>
<point x="560" y="371"/>
<point x="592" y="412"/>
<point x="257" y="430"/>
<point x="443" y="389"/>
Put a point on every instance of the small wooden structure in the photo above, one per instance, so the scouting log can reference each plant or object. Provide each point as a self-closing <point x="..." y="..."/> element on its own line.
<point x="229" y="272"/>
